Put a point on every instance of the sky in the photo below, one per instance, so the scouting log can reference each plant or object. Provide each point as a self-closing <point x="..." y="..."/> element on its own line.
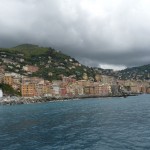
<point x="101" y="33"/>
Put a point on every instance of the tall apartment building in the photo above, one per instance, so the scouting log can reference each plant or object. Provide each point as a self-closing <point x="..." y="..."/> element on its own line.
<point x="28" y="90"/>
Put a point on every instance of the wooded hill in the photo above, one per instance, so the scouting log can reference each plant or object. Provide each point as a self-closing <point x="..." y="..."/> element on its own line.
<point x="53" y="64"/>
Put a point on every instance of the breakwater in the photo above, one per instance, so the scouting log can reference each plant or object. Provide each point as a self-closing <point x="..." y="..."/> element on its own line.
<point x="27" y="100"/>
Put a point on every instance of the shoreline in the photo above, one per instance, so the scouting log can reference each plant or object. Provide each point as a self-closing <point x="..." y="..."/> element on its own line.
<point x="29" y="100"/>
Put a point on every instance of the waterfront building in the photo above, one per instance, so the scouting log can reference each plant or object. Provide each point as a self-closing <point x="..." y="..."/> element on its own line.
<point x="63" y="91"/>
<point x="148" y="90"/>
<point x="38" y="87"/>
<point x="56" y="85"/>
<point x="28" y="90"/>
<point x="105" y="89"/>
<point x="80" y="90"/>
<point x="88" y="90"/>
<point x="1" y="93"/>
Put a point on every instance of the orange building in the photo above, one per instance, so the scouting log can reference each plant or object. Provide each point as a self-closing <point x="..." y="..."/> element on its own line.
<point x="28" y="90"/>
<point x="89" y="90"/>
<point x="8" y="80"/>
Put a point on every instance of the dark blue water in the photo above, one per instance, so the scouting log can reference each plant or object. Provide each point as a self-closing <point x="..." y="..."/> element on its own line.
<point x="91" y="124"/>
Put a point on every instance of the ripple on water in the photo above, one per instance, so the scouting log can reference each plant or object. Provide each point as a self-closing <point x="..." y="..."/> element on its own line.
<point x="91" y="124"/>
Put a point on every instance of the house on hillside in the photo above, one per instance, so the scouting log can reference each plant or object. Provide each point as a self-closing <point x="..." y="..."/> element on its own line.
<point x="30" y="68"/>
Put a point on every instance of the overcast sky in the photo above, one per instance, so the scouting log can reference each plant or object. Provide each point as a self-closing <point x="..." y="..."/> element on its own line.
<point x="104" y="33"/>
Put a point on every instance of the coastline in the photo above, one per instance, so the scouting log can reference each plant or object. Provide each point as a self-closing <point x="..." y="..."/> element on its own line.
<point x="24" y="100"/>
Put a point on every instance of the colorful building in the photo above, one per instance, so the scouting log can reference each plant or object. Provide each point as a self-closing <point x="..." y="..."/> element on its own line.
<point x="28" y="90"/>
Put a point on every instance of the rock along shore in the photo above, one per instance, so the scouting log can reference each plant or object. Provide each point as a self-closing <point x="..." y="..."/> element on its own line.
<point x="24" y="100"/>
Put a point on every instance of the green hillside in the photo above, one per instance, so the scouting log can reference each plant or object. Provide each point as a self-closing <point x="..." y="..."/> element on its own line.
<point x="52" y="63"/>
<point x="27" y="49"/>
<point x="141" y="72"/>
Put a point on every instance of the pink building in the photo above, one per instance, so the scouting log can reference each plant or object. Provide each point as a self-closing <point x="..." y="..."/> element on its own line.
<point x="30" y="68"/>
<point x="104" y="90"/>
<point x="63" y="91"/>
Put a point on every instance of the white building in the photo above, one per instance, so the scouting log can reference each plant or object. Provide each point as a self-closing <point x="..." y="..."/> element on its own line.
<point x="1" y="93"/>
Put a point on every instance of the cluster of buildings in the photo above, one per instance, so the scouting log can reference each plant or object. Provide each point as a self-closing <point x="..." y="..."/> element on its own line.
<point x="70" y="87"/>
<point x="67" y="87"/>
<point x="102" y="85"/>
<point x="135" y="86"/>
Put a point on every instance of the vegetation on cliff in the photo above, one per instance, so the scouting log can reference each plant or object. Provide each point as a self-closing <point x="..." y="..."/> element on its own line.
<point x="8" y="90"/>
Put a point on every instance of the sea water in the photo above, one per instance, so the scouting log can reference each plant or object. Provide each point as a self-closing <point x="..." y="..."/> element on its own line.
<point x="86" y="124"/>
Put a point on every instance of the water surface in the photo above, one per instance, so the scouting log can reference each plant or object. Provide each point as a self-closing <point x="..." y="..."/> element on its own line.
<point x="89" y="124"/>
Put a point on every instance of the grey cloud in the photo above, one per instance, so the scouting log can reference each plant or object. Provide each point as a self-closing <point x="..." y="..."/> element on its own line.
<point x="93" y="31"/>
